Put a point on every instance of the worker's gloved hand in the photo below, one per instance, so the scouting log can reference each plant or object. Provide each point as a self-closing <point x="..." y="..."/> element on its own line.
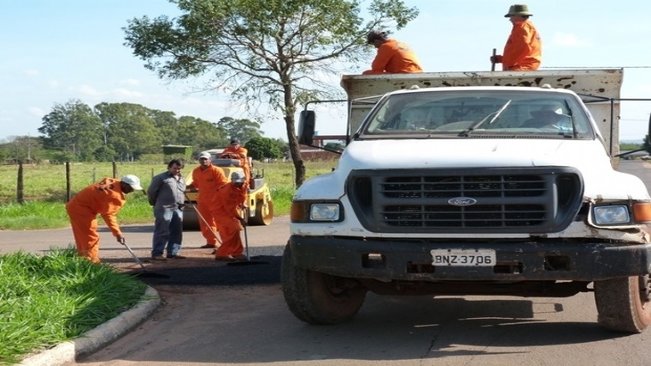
<point x="121" y="240"/>
<point x="497" y="59"/>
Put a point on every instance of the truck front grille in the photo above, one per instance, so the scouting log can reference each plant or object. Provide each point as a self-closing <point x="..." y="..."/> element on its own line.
<point x="533" y="200"/>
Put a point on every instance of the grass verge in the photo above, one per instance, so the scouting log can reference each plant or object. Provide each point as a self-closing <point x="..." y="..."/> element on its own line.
<point x="46" y="300"/>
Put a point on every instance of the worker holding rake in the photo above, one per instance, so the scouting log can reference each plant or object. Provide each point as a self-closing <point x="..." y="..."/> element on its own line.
<point x="104" y="198"/>
<point x="227" y="209"/>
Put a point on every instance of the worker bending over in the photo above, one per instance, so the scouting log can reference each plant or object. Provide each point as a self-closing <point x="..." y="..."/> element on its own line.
<point x="105" y="198"/>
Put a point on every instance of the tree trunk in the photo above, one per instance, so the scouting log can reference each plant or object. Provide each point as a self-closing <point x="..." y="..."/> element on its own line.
<point x="294" y="148"/>
<point x="295" y="151"/>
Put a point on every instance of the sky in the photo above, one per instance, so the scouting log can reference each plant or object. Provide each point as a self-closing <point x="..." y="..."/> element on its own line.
<point x="57" y="51"/>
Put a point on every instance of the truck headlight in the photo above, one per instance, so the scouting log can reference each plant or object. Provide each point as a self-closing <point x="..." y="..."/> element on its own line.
<point x="611" y="215"/>
<point x="310" y="211"/>
<point x="324" y="212"/>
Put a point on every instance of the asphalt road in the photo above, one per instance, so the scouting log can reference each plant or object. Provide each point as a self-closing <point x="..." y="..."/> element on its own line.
<point x="221" y="315"/>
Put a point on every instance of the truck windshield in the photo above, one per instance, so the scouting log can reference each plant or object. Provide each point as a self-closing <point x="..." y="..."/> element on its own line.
<point x="472" y="112"/>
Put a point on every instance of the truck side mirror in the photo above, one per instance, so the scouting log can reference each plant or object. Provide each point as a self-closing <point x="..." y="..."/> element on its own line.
<point x="306" y="122"/>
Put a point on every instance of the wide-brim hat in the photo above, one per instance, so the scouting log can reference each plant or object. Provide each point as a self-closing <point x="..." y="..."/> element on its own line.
<point x="518" y="9"/>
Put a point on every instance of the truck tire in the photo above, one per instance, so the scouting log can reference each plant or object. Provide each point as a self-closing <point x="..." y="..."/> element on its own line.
<point x="623" y="303"/>
<point x="264" y="214"/>
<point x="318" y="298"/>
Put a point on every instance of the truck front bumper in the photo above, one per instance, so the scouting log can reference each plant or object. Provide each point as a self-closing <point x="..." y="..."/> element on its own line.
<point x="411" y="259"/>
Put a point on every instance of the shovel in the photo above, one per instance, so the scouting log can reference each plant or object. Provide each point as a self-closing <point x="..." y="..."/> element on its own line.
<point x="143" y="272"/>
<point x="248" y="258"/>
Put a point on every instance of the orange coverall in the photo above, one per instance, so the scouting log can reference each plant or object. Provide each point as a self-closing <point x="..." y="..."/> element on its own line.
<point x="226" y="208"/>
<point x="395" y="58"/>
<point x="241" y="154"/>
<point x="522" y="50"/>
<point x="208" y="181"/>
<point x="104" y="198"/>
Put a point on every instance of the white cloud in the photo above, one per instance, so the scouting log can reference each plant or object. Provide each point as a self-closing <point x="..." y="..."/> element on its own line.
<point x="31" y="72"/>
<point x="88" y="90"/>
<point x="126" y="93"/>
<point x="53" y="84"/>
<point x="569" y="40"/>
<point x="36" y="112"/>
<point x="131" y="82"/>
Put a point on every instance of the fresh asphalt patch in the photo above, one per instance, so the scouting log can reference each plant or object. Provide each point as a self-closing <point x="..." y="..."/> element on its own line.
<point x="260" y="270"/>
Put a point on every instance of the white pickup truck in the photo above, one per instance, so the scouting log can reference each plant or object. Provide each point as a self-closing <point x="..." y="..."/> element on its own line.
<point x="474" y="184"/>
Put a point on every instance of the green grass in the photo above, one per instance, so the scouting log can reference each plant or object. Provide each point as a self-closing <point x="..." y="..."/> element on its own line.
<point x="45" y="190"/>
<point x="45" y="300"/>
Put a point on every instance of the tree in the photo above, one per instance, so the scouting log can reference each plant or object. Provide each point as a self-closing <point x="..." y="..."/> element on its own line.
<point x="273" y="51"/>
<point x="131" y="131"/>
<point x="261" y="147"/>
<point x="74" y="129"/>
<point x="241" y="129"/>
<point x="200" y="134"/>
<point x="22" y="148"/>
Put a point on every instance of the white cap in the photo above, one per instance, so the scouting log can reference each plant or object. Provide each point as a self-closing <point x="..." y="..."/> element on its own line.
<point x="237" y="177"/>
<point x="133" y="181"/>
<point x="204" y="154"/>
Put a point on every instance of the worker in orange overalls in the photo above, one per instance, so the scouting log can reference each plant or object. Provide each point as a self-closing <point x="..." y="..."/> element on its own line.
<point x="228" y="206"/>
<point x="207" y="179"/>
<point x="105" y="198"/>
<point x="523" y="51"/>
<point x="392" y="57"/>
<point x="240" y="153"/>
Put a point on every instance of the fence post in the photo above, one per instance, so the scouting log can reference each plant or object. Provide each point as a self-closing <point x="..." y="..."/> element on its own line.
<point x="20" y="191"/>
<point x="115" y="170"/>
<point x="68" y="186"/>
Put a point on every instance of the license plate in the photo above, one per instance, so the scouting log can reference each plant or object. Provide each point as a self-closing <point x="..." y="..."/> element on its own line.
<point x="463" y="257"/>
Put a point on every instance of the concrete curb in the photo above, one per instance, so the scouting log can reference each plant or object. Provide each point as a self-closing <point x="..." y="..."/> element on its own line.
<point x="98" y="337"/>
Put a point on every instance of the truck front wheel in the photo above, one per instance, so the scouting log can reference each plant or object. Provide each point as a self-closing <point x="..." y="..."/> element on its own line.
<point x="318" y="298"/>
<point x="624" y="304"/>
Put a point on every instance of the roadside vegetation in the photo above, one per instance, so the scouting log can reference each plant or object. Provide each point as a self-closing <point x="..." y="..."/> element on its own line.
<point x="46" y="300"/>
<point x="45" y="190"/>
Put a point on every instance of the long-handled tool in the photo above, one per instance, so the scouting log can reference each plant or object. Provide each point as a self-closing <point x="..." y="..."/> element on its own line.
<point x="246" y="246"/>
<point x="143" y="271"/>
<point x="196" y="210"/>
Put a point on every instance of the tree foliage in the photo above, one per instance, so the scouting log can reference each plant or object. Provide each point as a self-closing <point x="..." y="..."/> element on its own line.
<point x="122" y="131"/>
<point x="241" y="129"/>
<point x="277" y="52"/>
<point x="23" y="148"/>
<point x="72" y="128"/>
<point x="260" y="148"/>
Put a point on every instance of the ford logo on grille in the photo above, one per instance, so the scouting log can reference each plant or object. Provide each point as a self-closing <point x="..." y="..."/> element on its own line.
<point x="462" y="201"/>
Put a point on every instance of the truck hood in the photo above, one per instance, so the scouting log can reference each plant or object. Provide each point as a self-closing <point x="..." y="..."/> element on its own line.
<point x="588" y="156"/>
<point x="460" y="153"/>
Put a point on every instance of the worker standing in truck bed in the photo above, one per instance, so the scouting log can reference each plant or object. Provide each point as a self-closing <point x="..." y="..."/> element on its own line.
<point x="392" y="57"/>
<point x="522" y="51"/>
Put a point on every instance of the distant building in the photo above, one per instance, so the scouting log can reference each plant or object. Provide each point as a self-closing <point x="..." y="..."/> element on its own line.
<point x="316" y="152"/>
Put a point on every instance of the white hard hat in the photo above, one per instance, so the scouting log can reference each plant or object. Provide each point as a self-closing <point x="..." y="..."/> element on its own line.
<point x="237" y="177"/>
<point x="133" y="181"/>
